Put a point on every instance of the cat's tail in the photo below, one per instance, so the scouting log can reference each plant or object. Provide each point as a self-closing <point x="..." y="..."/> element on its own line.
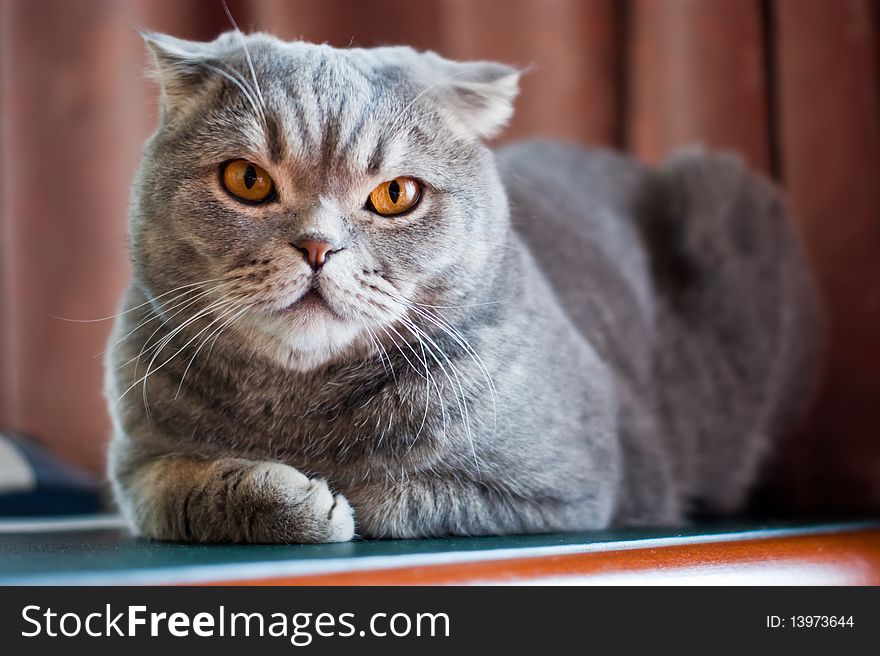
<point x="739" y="320"/>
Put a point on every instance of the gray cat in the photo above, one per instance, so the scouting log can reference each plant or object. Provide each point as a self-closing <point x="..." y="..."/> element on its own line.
<point x="348" y="315"/>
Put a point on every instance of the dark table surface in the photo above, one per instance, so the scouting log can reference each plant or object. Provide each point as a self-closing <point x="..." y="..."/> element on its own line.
<point x="99" y="550"/>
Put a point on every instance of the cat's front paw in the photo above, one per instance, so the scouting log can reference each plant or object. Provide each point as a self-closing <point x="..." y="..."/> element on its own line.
<point x="288" y="507"/>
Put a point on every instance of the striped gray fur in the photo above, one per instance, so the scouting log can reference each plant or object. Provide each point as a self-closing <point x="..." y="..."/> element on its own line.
<point x="554" y="339"/>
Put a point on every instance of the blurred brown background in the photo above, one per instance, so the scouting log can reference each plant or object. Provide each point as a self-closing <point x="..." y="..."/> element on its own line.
<point x="794" y="85"/>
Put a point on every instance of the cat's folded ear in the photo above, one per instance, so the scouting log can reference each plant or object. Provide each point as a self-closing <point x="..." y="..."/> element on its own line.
<point x="478" y="94"/>
<point x="179" y="68"/>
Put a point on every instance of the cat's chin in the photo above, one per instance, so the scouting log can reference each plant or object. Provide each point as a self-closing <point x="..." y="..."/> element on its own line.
<point x="304" y="336"/>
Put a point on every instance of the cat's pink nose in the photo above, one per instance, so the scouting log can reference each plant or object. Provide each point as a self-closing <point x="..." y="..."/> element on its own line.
<point x="316" y="252"/>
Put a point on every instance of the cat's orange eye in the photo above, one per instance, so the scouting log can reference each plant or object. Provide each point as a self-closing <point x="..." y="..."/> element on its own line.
<point x="247" y="181"/>
<point x="395" y="196"/>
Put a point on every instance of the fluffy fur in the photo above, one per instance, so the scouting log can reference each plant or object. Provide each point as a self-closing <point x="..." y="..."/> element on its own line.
<point x="554" y="339"/>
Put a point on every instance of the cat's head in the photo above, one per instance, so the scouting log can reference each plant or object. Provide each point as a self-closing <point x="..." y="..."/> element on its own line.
<point x="313" y="194"/>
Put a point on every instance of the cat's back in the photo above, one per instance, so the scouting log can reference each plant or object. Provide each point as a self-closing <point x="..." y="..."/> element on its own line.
<point x="565" y="199"/>
<point x="575" y="209"/>
<point x="693" y="268"/>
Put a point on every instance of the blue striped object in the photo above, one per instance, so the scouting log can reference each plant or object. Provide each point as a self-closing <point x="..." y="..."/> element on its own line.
<point x="33" y="481"/>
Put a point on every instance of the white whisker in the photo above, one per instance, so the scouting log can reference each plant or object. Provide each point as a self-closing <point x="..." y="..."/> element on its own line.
<point x="461" y="396"/>
<point x="247" y="55"/>
<point x="157" y="314"/>
<point x="241" y="87"/>
<point x="114" y="316"/>
<point x="146" y="348"/>
<point x="469" y="350"/>
<point x="167" y="340"/>
<point x="236" y="310"/>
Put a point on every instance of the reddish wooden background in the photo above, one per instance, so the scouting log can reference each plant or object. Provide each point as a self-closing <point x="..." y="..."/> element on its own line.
<point x="792" y="84"/>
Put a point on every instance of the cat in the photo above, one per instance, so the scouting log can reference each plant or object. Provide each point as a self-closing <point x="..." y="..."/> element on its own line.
<point x="348" y="316"/>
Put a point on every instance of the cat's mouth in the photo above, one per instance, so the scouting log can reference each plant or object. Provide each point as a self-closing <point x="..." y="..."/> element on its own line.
<point x="312" y="301"/>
